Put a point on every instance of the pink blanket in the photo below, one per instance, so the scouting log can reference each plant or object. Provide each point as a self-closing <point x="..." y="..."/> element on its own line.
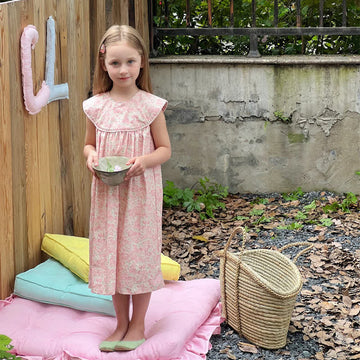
<point x="180" y="321"/>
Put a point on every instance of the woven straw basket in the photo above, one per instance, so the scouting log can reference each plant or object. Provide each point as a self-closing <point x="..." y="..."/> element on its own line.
<point x="258" y="292"/>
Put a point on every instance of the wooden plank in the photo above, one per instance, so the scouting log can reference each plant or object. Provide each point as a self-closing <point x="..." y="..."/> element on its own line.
<point x="63" y="19"/>
<point x="56" y="224"/>
<point x="42" y="139"/>
<point x="18" y="18"/>
<point x="117" y="12"/>
<point x="98" y="27"/>
<point x="124" y="12"/>
<point x="7" y="270"/>
<point x="80" y="74"/>
<point x="141" y="21"/>
<point x="31" y="157"/>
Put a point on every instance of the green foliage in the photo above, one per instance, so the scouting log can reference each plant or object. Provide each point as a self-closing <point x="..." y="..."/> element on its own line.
<point x="263" y="201"/>
<point x="263" y="219"/>
<point x="326" y="222"/>
<point x="256" y="212"/>
<point x="300" y="216"/>
<point x="293" y="226"/>
<point x="5" y="347"/>
<point x="350" y="200"/>
<point x="311" y="206"/>
<point x="280" y="116"/>
<point x="294" y="195"/>
<point x="205" y="199"/>
<point x="174" y="196"/>
<point x="268" y="45"/>
<point x="240" y="217"/>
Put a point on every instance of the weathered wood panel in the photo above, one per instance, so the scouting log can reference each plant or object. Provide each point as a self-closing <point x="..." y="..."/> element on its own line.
<point x="7" y="269"/>
<point x="45" y="186"/>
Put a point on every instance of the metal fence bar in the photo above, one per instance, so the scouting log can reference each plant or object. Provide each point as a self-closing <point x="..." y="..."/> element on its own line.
<point x="344" y="14"/>
<point x="321" y="11"/>
<point x="261" y="31"/>
<point x="276" y="13"/>
<point x="166" y="8"/>
<point x="254" y="51"/>
<point x="188" y="13"/>
<point x="232" y="13"/>
<point x="298" y="13"/>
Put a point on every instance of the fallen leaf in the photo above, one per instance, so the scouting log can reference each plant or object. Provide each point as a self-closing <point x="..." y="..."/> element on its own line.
<point x="200" y="237"/>
<point x="246" y="347"/>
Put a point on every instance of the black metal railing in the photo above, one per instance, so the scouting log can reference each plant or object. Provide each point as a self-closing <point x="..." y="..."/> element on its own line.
<point x="253" y="32"/>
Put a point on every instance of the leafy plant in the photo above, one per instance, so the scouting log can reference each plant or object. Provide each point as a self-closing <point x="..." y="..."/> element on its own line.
<point x="300" y="216"/>
<point x="293" y="226"/>
<point x="5" y="348"/>
<point x="204" y="200"/>
<point x="350" y="199"/>
<point x="311" y="206"/>
<point x="256" y="212"/>
<point x="174" y="196"/>
<point x="240" y="217"/>
<point x="280" y="116"/>
<point x="263" y="201"/>
<point x="326" y="222"/>
<point x="294" y="195"/>
<point x="263" y="219"/>
<point x="210" y="195"/>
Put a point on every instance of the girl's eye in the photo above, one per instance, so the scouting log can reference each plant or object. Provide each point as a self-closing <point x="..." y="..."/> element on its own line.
<point x="131" y="61"/>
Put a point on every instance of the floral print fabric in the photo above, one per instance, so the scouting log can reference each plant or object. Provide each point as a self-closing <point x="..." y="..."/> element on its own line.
<point x="125" y="220"/>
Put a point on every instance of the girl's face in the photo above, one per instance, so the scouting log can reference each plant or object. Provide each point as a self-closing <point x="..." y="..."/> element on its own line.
<point x="123" y="63"/>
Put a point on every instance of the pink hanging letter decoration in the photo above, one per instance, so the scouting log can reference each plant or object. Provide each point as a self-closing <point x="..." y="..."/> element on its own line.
<point x="33" y="103"/>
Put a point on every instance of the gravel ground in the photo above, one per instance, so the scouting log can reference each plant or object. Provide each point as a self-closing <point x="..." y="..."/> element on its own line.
<point x="299" y="347"/>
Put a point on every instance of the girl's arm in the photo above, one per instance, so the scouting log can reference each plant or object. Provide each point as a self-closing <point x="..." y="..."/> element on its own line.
<point x="90" y="152"/>
<point x="162" y="151"/>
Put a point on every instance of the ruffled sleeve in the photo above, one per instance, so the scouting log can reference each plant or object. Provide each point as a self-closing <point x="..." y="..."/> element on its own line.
<point x="151" y="106"/>
<point x="93" y="107"/>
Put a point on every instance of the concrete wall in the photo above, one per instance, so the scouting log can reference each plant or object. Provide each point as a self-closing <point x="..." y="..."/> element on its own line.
<point x="222" y="124"/>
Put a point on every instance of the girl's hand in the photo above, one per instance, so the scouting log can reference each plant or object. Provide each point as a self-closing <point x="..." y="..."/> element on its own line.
<point x="138" y="167"/>
<point x="90" y="152"/>
<point x="92" y="159"/>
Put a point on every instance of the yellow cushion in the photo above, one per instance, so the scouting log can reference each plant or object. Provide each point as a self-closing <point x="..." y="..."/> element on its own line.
<point x="170" y="268"/>
<point x="73" y="253"/>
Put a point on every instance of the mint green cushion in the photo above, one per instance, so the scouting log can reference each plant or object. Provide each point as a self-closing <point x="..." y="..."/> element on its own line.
<point x="52" y="283"/>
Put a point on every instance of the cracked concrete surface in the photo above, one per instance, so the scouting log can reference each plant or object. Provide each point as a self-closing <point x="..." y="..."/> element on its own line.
<point x="222" y="124"/>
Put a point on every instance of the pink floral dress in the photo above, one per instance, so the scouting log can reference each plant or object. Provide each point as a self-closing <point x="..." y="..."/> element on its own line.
<point x="125" y="220"/>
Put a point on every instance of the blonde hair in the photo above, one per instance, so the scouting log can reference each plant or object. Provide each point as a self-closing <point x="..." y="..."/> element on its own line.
<point x="116" y="33"/>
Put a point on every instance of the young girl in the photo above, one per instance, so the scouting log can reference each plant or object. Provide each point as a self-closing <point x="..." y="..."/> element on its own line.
<point x="124" y="118"/>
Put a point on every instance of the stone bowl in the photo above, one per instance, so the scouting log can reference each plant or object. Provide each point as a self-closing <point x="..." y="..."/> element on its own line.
<point x="112" y="169"/>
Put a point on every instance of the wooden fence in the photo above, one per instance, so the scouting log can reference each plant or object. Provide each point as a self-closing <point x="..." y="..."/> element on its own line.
<point x="44" y="184"/>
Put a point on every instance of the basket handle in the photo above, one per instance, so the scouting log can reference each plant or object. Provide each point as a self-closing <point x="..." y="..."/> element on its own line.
<point x="237" y="230"/>
<point x="304" y="243"/>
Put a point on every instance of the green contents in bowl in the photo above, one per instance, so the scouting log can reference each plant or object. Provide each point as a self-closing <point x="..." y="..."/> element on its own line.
<point x="111" y="168"/>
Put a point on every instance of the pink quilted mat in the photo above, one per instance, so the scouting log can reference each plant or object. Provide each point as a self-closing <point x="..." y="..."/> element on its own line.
<point x="180" y="321"/>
